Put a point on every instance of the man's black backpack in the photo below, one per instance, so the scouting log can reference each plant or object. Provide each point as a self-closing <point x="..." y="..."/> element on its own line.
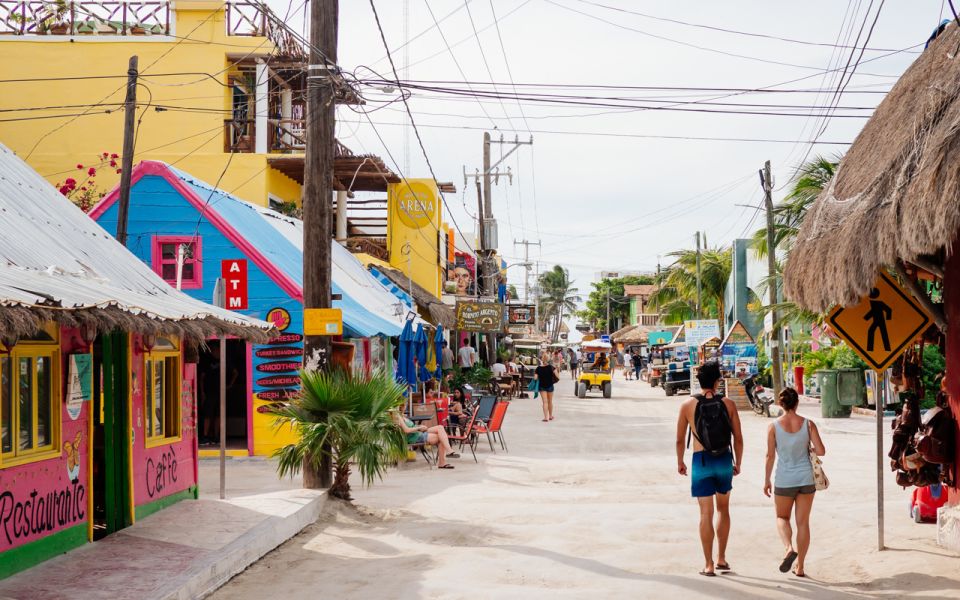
<point x="712" y="426"/>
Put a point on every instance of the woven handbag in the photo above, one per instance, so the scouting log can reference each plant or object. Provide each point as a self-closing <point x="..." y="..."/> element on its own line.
<point x="820" y="480"/>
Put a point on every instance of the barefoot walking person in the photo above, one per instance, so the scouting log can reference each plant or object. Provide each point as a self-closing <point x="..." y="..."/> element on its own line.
<point x="434" y="436"/>
<point x="711" y="420"/>
<point x="546" y="375"/>
<point x="789" y="439"/>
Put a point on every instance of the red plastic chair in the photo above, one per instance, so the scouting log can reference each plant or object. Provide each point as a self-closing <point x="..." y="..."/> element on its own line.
<point x="495" y="426"/>
<point x="468" y="436"/>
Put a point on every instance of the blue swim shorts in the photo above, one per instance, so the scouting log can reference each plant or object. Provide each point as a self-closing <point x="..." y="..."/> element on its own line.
<point x="711" y="474"/>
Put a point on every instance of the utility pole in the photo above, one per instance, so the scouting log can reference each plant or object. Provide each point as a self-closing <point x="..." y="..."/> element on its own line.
<point x="318" y="194"/>
<point x="608" y="312"/>
<point x="126" y="161"/>
<point x="488" y="241"/>
<point x="658" y="290"/>
<point x="767" y="179"/>
<point x="699" y="285"/>
<point x="527" y="265"/>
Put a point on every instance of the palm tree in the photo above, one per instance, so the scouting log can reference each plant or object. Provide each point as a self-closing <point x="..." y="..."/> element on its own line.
<point x="557" y="297"/>
<point x="347" y="417"/>
<point x="677" y="292"/>
<point x="811" y="179"/>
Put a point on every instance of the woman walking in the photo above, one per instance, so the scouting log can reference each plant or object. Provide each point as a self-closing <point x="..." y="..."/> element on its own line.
<point x="789" y="440"/>
<point x="546" y="375"/>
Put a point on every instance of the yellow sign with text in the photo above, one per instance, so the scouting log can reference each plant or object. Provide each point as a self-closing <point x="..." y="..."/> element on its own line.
<point x="882" y="325"/>
<point x="322" y="321"/>
<point x="415" y="240"/>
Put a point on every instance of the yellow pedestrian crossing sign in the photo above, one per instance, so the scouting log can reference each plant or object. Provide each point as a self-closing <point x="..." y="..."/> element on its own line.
<point x="882" y="325"/>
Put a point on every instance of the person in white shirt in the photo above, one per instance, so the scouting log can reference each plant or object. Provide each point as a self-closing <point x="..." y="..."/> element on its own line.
<point x="498" y="369"/>
<point x="627" y="365"/>
<point x="468" y="356"/>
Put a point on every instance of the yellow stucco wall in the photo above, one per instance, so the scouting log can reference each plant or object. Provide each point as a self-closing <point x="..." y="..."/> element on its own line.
<point x="191" y="141"/>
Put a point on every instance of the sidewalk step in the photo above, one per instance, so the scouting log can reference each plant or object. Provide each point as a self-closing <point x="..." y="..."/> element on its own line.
<point x="185" y="551"/>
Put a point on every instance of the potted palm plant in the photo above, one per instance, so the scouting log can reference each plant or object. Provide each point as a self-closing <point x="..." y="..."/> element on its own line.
<point x="347" y="418"/>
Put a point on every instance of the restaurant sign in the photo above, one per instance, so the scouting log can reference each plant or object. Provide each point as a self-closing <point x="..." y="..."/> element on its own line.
<point x="522" y="315"/>
<point x="479" y="316"/>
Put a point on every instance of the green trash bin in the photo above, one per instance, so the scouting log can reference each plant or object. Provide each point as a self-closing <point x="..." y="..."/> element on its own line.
<point x="851" y="390"/>
<point x="829" y="395"/>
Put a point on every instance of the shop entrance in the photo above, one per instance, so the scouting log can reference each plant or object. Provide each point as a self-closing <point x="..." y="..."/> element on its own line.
<point x="111" y="442"/>
<point x="208" y="380"/>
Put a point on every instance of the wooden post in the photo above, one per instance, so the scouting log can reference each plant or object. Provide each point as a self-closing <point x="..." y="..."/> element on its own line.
<point x="951" y="304"/>
<point x="126" y="161"/>
<point x="318" y="193"/>
<point x="772" y="271"/>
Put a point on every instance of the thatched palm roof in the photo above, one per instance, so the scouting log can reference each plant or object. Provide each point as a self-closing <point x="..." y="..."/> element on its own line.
<point x="431" y="308"/>
<point x="631" y="334"/>
<point x="895" y="194"/>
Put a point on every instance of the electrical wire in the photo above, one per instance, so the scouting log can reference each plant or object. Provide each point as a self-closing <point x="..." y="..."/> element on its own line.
<point x="724" y="30"/>
<point x="453" y="56"/>
<point x="413" y="123"/>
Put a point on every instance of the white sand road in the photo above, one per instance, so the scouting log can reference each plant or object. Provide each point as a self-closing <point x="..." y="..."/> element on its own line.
<point x="591" y="505"/>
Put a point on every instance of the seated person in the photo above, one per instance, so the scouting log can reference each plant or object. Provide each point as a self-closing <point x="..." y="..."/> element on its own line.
<point x="601" y="363"/>
<point x="498" y="368"/>
<point x="421" y="434"/>
<point x="459" y="414"/>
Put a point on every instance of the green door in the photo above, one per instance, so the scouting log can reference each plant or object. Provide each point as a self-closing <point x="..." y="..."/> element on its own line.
<point x="111" y="435"/>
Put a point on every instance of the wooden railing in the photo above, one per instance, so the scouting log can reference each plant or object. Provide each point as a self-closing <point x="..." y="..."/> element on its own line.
<point x="376" y="247"/>
<point x="284" y="136"/>
<point x="138" y="17"/>
<point x="246" y="18"/>
<point x="104" y="17"/>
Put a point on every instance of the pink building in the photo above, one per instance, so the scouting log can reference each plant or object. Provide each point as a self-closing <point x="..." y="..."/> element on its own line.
<point x="97" y="377"/>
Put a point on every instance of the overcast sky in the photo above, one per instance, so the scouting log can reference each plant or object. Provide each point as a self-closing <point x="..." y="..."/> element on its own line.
<point x="613" y="201"/>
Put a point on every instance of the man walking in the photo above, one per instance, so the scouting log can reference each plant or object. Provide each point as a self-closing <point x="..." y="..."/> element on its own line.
<point x="446" y="359"/>
<point x="637" y="364"/>
<point x="712" y="420"/>
<point x="468" y="356"/>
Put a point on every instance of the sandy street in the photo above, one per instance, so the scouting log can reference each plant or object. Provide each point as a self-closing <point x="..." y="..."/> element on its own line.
<point x="589" y="506"/>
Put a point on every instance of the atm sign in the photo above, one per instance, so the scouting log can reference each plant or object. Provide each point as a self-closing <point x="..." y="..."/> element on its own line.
<point x="234" y="274"/>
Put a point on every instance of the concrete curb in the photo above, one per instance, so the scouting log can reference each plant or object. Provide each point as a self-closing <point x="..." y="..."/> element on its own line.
<point x="219" y="567"/>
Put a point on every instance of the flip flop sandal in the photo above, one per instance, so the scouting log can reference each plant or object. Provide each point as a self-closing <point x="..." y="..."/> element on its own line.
<point x="708" y="573"/>
<point x="723" y="566"/>
<point x="788" y="562"/>
<point x="446" y="466"/>
<point x="544" y="420"/>
<point x="799" y="574"/>
<point x="453" y="455"/>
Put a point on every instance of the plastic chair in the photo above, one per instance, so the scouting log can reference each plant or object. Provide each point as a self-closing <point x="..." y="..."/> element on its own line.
<point x="495" y="424"/>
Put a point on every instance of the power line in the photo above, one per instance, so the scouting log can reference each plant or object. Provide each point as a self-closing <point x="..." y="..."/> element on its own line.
<point x="453" y="56"/>
<point x="689" y="45"/>
<point x="625" y="135"/>
<point x="724" y="30"/>
<point x="486" y="64"/>
<point x="413" y="123"/>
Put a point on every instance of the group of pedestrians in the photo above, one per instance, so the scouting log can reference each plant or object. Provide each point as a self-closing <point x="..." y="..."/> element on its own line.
<point x="713" y="424"/>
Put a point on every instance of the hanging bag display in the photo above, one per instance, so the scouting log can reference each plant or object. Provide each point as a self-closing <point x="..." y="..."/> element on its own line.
<point x="820" y="480"/>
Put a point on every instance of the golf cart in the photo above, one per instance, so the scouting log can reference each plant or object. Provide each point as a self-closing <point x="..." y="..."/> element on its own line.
<point x="676" y="372"/>
<point x="593" y="374"/>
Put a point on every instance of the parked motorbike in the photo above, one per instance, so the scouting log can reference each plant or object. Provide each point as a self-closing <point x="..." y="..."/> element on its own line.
<point x="758" y="397"/>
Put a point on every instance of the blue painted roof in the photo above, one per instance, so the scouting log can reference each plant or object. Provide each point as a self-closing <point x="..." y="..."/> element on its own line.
<point x="253" y="224"/>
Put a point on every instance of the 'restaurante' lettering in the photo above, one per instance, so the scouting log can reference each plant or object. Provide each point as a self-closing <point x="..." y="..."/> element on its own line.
<point x="41" y="512"/>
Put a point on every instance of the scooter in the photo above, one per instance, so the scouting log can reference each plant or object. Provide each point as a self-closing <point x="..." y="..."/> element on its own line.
<point x="757" y="396"/>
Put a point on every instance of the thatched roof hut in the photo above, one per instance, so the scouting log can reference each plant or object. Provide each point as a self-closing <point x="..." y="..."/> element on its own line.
<point x="631" y="334"/>
<point x="895" y="194"/>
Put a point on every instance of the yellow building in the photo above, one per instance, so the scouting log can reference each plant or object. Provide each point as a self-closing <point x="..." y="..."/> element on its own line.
<point x="220" y="94"/>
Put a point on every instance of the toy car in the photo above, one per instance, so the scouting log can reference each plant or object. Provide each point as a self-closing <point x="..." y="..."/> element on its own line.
<point x="925" y="501"/>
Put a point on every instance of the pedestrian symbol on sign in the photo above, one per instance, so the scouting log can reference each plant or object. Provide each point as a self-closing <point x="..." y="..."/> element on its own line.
<point x="879" y="314"/>
<point x="882" y="324"/>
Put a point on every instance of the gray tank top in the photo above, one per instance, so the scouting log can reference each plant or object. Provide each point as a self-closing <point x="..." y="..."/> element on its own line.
<point x="793" y="457"/>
